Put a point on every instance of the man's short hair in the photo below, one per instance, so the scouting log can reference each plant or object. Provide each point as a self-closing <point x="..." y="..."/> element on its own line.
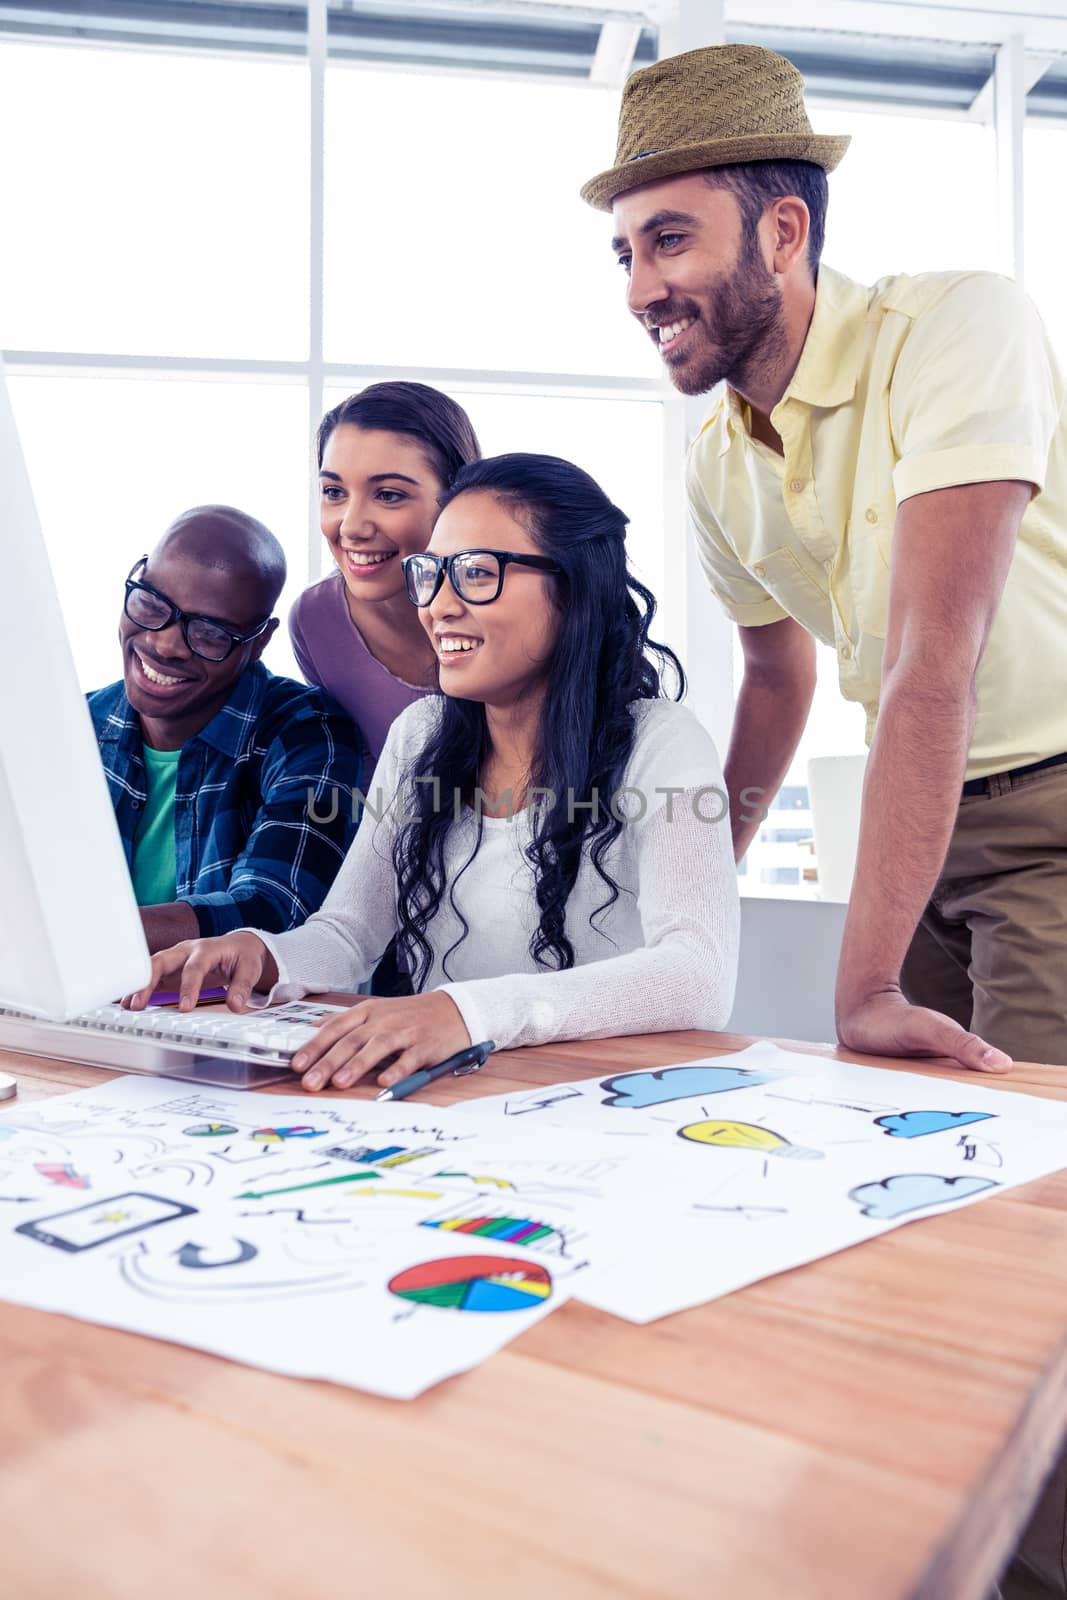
<point x="757" y="184"/>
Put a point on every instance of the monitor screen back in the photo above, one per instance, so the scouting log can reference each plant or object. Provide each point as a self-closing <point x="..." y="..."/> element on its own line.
<point x="70" y="933"/>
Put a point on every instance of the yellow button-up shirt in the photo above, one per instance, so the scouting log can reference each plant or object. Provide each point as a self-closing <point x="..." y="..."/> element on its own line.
<point x="912" y="385"/>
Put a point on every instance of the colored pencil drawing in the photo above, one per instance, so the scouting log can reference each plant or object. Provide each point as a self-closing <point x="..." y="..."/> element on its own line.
<point x="914" y="1191"/>
<point x="746" y="1136"/>
<point x="500" y="1227"/>
<point x="540" y="1100"/>
<point x="62" y="1173"/>
<point x="917" y="1124"/>
<point x="245" y="1280"/>
<point x="276" y="1135"/>
<point x="636" y="1091"/>
<point x="101" y="1222"/>
<point x="482" y="1180"/>
<point x="342" y="1242"/>
<point x="201" y="1257"/>
<point x="483" y="1284"/>
<point x="377" y="1154"/>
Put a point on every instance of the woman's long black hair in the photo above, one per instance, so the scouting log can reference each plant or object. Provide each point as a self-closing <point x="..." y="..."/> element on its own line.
<point x="599" y="667"/>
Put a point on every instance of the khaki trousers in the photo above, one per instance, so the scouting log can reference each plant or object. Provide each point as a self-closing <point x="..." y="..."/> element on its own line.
<point x="991" y="949"/>
<point x="991" y="952"/>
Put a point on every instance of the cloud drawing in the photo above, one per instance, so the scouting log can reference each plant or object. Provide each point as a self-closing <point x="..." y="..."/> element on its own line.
<point x="636" y="1090"/>
<point x="914" y="1191"/>
<point x="915" y="1124"/>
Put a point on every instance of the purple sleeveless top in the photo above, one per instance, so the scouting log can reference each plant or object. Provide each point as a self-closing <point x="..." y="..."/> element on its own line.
<point x="331" y="654"/>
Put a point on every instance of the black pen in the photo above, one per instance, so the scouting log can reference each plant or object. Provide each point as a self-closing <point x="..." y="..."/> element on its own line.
<point x="470" y="1060"/>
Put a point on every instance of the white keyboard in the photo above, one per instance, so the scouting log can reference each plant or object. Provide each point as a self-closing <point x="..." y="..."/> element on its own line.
<point x="215" y="1046"/>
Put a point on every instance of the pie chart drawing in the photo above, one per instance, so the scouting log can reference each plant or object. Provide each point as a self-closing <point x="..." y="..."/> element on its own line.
<point x="475" y="1283"/>
<point x="209" y="1130"/>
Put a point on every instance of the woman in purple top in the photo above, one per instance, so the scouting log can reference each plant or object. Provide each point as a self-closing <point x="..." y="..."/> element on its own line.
<point x="385" y="455"/>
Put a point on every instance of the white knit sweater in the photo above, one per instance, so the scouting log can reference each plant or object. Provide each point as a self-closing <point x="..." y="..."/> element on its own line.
<point x="664" y="956"/>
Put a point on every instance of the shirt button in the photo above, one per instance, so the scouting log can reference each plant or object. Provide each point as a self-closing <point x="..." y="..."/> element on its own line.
<point x="872" y="515"/>
<point x="796" y="484"/>
<point x="846" y="652"/>
<point x="759" y="570"/>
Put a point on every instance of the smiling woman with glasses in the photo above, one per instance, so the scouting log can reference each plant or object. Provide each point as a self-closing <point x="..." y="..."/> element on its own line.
<point x="547" y="839"/>
<point x="476" y="575"/>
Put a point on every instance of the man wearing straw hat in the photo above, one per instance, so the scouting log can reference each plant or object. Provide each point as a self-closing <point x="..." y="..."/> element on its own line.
<point x="884" y="470"/>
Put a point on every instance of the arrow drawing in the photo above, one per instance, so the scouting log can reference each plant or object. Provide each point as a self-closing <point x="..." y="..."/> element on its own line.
<point x="194" y="1255"/>
<point x="519" y="1108"/>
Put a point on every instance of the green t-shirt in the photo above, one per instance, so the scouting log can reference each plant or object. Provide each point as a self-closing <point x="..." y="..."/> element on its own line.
<point x="154" y="866"/>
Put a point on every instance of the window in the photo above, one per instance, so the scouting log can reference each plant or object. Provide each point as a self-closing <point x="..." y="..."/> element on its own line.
<point x="113" y="461"/>
<point x="156" y="313"/>
<point x="464" y="243"/>
<point x="162" y="200"/>
<point x="912" y="194"/>
<point x="1044" y="162"/>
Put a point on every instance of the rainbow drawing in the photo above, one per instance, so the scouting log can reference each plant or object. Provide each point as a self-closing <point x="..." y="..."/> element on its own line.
<point x="505" y="1230"/>
<point x="475" y="1283"/>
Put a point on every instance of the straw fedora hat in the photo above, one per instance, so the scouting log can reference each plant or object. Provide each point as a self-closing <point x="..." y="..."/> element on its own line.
<point x="709" y="108"/>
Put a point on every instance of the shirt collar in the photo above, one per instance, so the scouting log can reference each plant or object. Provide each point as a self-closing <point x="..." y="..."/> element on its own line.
<point x="121" y="725"/>
<point x="229" y="729"/>
<point x="829" y="365"/>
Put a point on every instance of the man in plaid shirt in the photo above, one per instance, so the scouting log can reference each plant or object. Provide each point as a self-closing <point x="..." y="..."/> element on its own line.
<point x="235" y="791"/>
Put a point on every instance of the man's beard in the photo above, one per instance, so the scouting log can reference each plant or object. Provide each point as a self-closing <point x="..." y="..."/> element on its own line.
<point x="746" y="320"/>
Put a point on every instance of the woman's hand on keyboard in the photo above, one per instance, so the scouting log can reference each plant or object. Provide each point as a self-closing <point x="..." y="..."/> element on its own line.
<point x="401" y="1035"/>
<point x="238" y="960"/>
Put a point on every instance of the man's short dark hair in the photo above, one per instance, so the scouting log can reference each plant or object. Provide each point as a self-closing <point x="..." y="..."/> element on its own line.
<point x="757" y="184"/>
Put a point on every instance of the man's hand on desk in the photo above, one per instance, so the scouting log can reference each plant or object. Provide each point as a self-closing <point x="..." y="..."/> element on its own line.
<point x="239" y="960"/>
<point x="401" y="1035"/>
<point x="884" y="1024"/>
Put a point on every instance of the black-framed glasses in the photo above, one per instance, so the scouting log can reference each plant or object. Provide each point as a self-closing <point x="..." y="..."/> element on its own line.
<point x="205" y="636"/>
<point x="477" y="576"/>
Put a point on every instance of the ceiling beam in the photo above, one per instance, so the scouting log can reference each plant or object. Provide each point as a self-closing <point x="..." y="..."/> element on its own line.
<point x="615" y="54"/>
<point x="1042" y="24"/>
<point x="1034" y="67"/>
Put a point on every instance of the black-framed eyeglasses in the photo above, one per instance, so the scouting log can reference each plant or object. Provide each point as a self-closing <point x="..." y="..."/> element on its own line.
<point x="205" y="636"/>
<point x="477" y="576"/>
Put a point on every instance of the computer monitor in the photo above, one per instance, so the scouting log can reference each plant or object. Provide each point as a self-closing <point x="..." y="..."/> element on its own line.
<point x="70" y="932"/>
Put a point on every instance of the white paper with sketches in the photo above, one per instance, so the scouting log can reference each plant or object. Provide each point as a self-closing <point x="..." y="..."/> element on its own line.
<point x="778" y="1158"/>
<point x="311" y="1237"/>
<point x="396" y="1244"/>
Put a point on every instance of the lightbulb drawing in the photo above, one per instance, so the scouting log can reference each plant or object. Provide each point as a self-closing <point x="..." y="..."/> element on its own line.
<point x="746" y="1136"/>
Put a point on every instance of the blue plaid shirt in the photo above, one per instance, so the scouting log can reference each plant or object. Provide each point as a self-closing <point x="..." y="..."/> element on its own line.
<point x="250" y="850"/>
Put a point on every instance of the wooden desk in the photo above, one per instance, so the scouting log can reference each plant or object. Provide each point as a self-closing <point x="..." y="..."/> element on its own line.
<point x="871" y="1427"/>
